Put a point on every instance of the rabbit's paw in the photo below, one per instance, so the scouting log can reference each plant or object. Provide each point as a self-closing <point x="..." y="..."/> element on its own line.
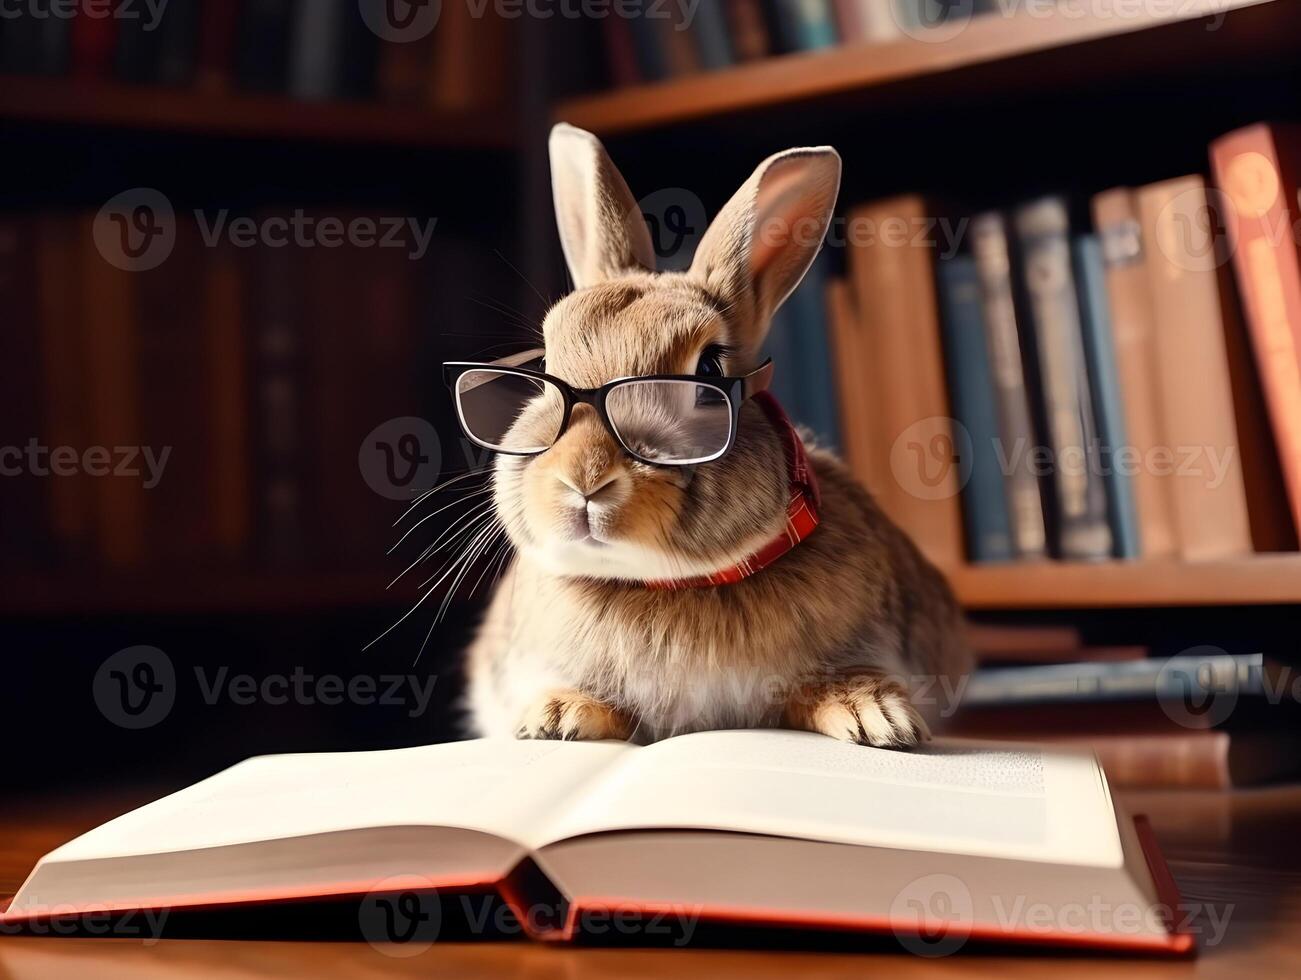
<point x="573" y="716"/>
<point x="867" y="709"/>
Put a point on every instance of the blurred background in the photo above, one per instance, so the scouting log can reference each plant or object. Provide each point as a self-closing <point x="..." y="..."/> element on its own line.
<point x="237" y="239"/>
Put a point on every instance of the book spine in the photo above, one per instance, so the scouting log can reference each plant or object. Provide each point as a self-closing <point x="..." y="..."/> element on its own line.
<point x="849" y="20"/>
<point x="262" y="45"/>
<point x="24" y="489"/>
<point x="813" y="355"/>
<point x="1100" y="356"/>
<point x="178" y="43"/>
<point x="226" y="355"/>
<point x="1210" y="503"/>
<point x="316" y="42"/>
<point x="648" y="45"/>
<point x="709" y="29"/>
<point x="806" y="25"/>
<point x="1262" y="226"/>
<point x="65" y="379"/>
<point x="218" y="37"/>
<point x="136" y="59"/>
<point x="879" y="21"/>
<point x="92" y="42"/>
<point x="1133" y="321"/>
<point x="112" y="347"/>
<point x="751" y="38"/>
<point x="620" y="51"/>
<point x="678" y="45"/>
<point x="986" y="523"/>
<point x="1016" y="433"/>
<point x="858" y="416"/>
<point x="894" y="285"/>
<point x="1053" y="309"/>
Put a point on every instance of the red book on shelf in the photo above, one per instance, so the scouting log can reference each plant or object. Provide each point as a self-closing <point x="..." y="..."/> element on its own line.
<point x="92" y="41"/>
<point x="218" y="30"/>
<point x="1258" y="169"/>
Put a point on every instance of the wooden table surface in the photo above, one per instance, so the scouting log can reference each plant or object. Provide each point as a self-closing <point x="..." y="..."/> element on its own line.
<point x="1236" y="855"/>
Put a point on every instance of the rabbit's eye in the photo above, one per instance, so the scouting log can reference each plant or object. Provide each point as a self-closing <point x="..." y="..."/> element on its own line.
<point x="711" y="363"/>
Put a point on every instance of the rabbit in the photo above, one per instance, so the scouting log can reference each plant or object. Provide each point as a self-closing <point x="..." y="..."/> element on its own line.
<point x="574" y="644"/>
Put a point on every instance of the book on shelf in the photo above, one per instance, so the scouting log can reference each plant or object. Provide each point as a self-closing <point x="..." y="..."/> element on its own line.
<point x="986" y="524"/>
<point x="1206" y="478"/>
<point x="1257" y="170"/>
<point x="763" y="827"/>
<point x="1077" y="515"/>
<point x="1104" y="382"/>
<point x="1133" y="320"/>
<point x="1197" y="678"/>
<point x="992" y="252"/>
<point x="895" y="295"/>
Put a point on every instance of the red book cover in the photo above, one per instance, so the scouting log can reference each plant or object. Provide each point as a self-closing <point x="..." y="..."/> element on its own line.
<point x="92" y="42"/>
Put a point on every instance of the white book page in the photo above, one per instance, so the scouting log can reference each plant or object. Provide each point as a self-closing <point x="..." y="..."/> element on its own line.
<point x="499" y="786"/>
<point x="1002" y="801"/>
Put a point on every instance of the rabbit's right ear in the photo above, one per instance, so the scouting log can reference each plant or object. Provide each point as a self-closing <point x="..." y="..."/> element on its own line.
<point x="601" y="227"/>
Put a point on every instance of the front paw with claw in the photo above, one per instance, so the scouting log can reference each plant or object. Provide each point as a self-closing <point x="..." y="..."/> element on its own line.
<point x="574" y="716"/>
<point x="868" y="710"/>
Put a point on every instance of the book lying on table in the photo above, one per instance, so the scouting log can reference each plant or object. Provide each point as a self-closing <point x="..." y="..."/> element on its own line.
<point x="765" y="827"/>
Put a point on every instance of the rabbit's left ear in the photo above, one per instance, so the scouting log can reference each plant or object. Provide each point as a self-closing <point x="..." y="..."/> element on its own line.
<point x="602" y="230"/>
<point x="766" y="237"/>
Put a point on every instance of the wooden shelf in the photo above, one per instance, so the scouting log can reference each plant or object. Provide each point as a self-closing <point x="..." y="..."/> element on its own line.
<point x="110" y="104"/>
<point x="212" y="592"/>
<point x="988" y="40"/>
<point x="1258" y="580"/>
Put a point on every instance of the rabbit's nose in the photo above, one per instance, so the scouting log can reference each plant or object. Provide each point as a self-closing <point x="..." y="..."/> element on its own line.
<point x="592" y="491"/>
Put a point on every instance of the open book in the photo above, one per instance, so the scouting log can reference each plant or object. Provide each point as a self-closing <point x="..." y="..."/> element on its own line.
<point x="956" y="838"/>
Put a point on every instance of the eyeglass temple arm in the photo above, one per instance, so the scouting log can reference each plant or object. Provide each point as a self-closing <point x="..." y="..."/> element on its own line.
<point x="757" y="380"/>
<point x="516" y="360"/>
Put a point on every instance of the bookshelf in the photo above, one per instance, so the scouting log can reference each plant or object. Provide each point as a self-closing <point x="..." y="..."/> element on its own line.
<point x="155" y="109"/>
<point x="984" y="59"/>
<point x="1255" y="580"/>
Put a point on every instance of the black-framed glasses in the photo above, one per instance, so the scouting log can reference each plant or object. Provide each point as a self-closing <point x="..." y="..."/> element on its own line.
<point x="662" y="419"/>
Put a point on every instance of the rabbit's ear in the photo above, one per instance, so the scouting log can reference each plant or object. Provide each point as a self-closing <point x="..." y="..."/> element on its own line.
<point x="764" y="240"/>
<point x="602" y="230"/>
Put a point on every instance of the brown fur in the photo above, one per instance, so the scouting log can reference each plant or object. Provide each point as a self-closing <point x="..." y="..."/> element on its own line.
<point x="828" y="638"/>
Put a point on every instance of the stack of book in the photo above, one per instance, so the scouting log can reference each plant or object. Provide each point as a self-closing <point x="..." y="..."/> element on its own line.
<point x="313" y="50"/>
<point x="664" y="41"/>
<point x="1031" y="387"/>
<point x="215" y="410"/>
<point x="1204" y="719"/>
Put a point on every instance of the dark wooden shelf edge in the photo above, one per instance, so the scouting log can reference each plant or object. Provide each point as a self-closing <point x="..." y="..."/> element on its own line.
<point x="860" y="67"/>
<point x="1254" y="580"/>
<point x="110" y="104"/>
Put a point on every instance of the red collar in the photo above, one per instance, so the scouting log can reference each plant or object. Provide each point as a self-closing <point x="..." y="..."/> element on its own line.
<point x="801" y="512"/>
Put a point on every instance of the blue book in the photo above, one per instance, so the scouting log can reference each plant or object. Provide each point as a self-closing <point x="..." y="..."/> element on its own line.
<point x="648" y="45"/>
<point x="812" y="353"/>
<point x="806" y="25"/>
<point x="713" y="40"/>
<point x="1108" y="410"/>
<point x="986" y="523"/>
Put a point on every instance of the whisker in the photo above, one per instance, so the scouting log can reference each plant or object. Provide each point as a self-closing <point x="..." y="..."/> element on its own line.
<point x="425" y="495"/>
